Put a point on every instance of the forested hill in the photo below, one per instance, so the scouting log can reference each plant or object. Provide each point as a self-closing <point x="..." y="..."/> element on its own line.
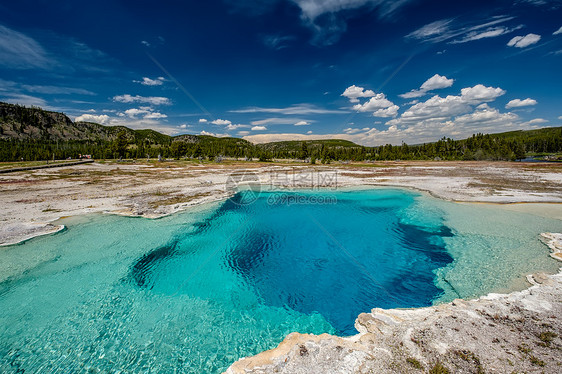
<point x="37" y="134"/>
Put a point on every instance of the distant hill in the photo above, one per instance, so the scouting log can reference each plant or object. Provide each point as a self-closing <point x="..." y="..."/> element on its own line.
<point x="37" y="134"/>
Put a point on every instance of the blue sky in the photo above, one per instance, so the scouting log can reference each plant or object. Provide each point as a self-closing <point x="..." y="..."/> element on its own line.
<point x="371" y="71"/>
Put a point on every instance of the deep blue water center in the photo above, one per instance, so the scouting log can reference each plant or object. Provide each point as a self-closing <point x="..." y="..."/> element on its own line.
<point x="337" y="256"/>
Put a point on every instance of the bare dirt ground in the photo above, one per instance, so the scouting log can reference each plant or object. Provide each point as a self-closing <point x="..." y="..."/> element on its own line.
<point x="514" y="333"/>
<point x="31" y="200"/>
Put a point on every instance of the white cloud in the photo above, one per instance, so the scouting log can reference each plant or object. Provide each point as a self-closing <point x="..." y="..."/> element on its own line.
<point x="214" y="134"/>
<point x="278" y="121"/>
<point x="491" y="32"/>
<point x="353" y="93"/>
<point x="154" y="100"/>
<point x="431" y="30"/>
<point x="56" y="90"/>
<point x="439" y="108"/>
<point x="302" y="123"/>
<point x="221" y="122"/>
<point x="379" y="101"/>
<point x="184" y="126"/>
<point x="484" y="119"/>
<point x="151" y="82"/>
<point x="309" y="132"/>
<point x="517" y="103"/>
<point x="102" y="119"/>
<point x="537" y="121"/>
<point x="243" y="133"/>
<point x="155" y="115"/>
<point x="18" y="51"/>
<point x="379" y="105"/>
<point x="259" y="128"/>
<point x="391" y="111"/>
<point x="559" y="31"/>
<point x="560" y="117"/>
<point x="447" y="29"/>
<point x="524" y="41"/>
<point x="328" y="21"/>
<point x="351" y="130"/>
<point x="234" y="127"/>
<point x="144" y="111"/>
<point x="480" y="94"/>
<point x="133" y="112"/>
<point x="298" y="109"/>
<point x="434" y="83"/>
<point x="24" y="100"/>
<point x="203" y="120"/>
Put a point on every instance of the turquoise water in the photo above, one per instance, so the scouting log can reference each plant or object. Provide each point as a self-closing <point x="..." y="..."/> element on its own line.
<point x="196" y="291"/>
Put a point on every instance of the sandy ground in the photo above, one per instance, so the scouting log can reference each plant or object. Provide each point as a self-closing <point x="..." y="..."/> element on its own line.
<point x="519" y="332"/>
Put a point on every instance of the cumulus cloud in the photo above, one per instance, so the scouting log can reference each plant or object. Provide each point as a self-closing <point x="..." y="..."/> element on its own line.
<point x="517" y="103"/>
<point x="353" y="93"/>
<point x="153" y="100"/>
<point x="259" y="128"/>
<point x="203" y="120"/>
<point x="145" y="112"/>
<point x="391" y="111"/>
<point x="151" y="82"/>
<point x="439" y="108"/>
<point x="234" y="127"/>
<point x="481" y="94"/>
<point x="222" y="122"/>
<point x="524" y="41"/>
<point x="379" y="101"/>
<point x="434" y="83"/>
<point x="559" y="31"/>
<point x="302" y="123"/>
<point x="102" y="119"/>
<point x="155" y="115"/>
<point x="214" y="134"/>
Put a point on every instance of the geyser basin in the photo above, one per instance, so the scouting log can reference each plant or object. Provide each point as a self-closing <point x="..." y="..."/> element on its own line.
<point x="198" y="290"/>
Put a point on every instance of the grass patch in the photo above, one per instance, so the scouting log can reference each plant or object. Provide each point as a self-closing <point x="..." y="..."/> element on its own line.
<point x="469" y="356"/>
<point x="536" y="361"/>
<point x="438" y="368"/>
<point x="415" y="363"/>
<point x="524" y="349"/>
<point x="546" y="337"/>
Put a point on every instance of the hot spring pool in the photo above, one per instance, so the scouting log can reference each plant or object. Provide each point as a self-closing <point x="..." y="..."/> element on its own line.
<point x="196" y="291"/>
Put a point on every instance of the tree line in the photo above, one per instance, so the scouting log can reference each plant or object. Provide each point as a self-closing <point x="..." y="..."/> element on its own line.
<point x="508" y="146"/>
